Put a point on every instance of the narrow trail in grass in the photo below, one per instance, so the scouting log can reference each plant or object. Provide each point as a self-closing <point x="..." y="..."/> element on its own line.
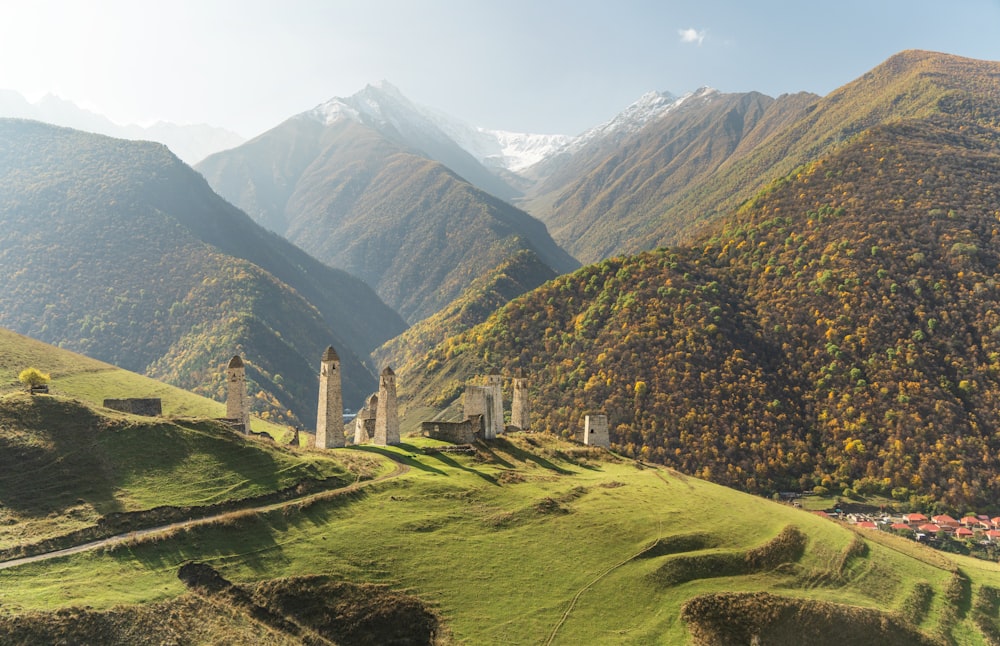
<point x="605" y="573"/>
<point x="400" y="469"/>
<point x="602" y="575"/>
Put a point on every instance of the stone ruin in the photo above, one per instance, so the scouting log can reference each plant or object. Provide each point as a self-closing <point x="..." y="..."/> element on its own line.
<point x="483" y="411"/>
<point x="147" y="407"/>
<point x="364" y="421"/>
<point x="378" y="422"/>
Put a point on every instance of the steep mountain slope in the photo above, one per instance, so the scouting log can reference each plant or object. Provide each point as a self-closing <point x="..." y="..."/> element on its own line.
<point x="118" y="250"/>
<point x="843" y="333"/>
<point x="600" y="196"/>
<point x="515" y="276"/>
<point x="354" y="198"/>
<point x="700" y="160"/>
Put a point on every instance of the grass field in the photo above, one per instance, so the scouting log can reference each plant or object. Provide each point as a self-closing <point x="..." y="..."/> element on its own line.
<point x="530" y="540"/>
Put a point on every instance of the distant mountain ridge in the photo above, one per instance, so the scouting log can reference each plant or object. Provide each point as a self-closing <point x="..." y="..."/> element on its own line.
<point x="190" y="142"/>
<point x="361" y="185"/>
<point x="118" y="250"/>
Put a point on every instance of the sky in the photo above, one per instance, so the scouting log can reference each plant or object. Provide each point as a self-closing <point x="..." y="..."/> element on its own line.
<point x="541" y="66"/>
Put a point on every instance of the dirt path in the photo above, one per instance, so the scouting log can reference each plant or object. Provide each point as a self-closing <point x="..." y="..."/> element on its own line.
<point x="205" y="520"/>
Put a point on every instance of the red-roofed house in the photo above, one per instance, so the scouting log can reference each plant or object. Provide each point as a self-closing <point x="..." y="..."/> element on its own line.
<point x="944" y="520"/>
<point x="867" y="524"/>
<point x="901" y="526"/>
<point x="913" y="519"/>
<point x="929" y="528"/>
<point x="996" y="522"/>
<point x="969" y="521"/>
<point x="963" y="532"/>
<point x="993" y="535"/>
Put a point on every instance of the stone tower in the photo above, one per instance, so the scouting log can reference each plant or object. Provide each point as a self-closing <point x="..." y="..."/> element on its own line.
<point x="237" y="399"/>
<point x="387" y="414"/>
<point x="330" y="414"/>
<point x="520" y="413"/>
<point x="595" y="431"/>
<point x="495" y="386"/>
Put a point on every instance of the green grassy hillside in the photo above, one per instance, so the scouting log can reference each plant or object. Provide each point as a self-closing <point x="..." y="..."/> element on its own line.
<point x="531" y="540"/>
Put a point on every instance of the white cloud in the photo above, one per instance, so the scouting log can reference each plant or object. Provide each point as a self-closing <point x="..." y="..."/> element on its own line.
<point x="692" y="35"/>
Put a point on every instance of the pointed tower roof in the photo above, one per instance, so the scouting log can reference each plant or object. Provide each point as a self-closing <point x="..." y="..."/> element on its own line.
<point x="388" y="372"/>
<point x="330" y="354"/>
<point x="236" y="362"/>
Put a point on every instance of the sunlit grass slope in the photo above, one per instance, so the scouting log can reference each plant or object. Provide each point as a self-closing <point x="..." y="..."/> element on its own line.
<point x="75" y="375"/>
<point x="532" y="541"/>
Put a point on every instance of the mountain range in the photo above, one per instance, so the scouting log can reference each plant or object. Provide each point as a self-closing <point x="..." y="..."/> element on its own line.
<point x="372" y="187"/>
<point x="190" y="142"/>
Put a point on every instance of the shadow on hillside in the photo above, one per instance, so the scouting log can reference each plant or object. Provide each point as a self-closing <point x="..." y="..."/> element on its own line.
<point x="402" y="458"/>
<point x="517" y="453"/>
<point x="244" y="539"/>
<point x="451" y="462"/>
<point x="51" y="458"/>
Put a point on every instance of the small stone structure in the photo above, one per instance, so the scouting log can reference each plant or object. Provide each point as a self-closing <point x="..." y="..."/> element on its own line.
<point x="464" y="432"/>
<point x="387" y="413"/>
<point x="237" y="398"/>
<point x="330" y="412"/>
<point x="149" y="407"/>
<point x="595" y="431"/>
<point x="364" y="421"/>
<point x="520" y="412"/>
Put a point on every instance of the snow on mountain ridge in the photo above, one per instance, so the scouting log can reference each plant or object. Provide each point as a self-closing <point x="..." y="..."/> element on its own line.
<point x="383" y="103"/>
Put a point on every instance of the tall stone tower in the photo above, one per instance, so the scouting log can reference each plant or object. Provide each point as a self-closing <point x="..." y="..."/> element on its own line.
<point x="520" y="412"/>
<point x="330" y="414"/>
<point x="387" y="413"/>
<point x="237" y="399"/>
<point x="495" y="386"/>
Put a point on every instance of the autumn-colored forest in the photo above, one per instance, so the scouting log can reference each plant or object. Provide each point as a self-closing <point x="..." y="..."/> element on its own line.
<point x="841" y="331"/>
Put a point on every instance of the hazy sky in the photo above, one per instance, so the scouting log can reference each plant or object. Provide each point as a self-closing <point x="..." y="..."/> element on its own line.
<point x="551" y="66"/>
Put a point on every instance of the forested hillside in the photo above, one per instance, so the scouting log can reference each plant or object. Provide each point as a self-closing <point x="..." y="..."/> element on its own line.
<point x="358" y="200"/>
<point x="843" y="331"/>
<point x="118" y="250"/>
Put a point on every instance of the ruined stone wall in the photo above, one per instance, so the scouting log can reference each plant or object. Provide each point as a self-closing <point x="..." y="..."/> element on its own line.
<point x="150" y="407"/>
<point x="455" y="432"/>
